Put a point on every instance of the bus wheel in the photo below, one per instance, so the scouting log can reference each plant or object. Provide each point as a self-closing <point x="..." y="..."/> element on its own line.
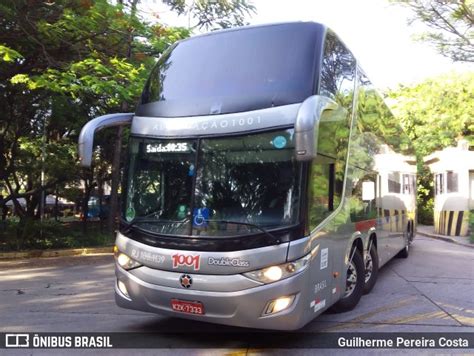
<point x="405" y="251"/>
<point x="412" y="231"/>
<point x="371" y="269"/>
<point x="354" y="285"/>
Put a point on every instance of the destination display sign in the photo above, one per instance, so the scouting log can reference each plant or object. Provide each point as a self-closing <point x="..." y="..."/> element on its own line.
<point x="169" y="147"/>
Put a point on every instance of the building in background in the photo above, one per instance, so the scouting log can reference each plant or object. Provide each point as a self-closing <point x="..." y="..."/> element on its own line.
<point x="453" y="170"/>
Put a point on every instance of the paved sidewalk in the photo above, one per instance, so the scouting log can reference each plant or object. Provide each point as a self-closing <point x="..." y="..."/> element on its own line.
<point x="428" y="231"/>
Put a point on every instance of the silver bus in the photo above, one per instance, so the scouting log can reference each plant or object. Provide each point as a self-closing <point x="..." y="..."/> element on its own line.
<point x="266" y="180"/>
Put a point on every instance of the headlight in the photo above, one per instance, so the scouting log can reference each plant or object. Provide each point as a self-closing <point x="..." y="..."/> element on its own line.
<point x="279" y="272"/>
<point x="125" y="261"/>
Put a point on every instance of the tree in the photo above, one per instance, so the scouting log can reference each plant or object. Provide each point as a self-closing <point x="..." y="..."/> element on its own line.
<point x="213" y="14"/>
<point x="61" y="64"/>
<point x="451" y="23"/>
<point x="435" y="113"/>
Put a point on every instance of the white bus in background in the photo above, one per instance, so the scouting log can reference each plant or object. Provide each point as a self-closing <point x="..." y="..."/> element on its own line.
<point x="453" y="173"/>
<point x="396" y="184"/>
<point x="251" y="194"/>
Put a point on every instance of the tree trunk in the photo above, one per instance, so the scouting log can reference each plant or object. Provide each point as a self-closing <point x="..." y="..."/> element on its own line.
<point x="56" y="207"/>
<point x="85" y="210"/>
<point x="100" y="192"/>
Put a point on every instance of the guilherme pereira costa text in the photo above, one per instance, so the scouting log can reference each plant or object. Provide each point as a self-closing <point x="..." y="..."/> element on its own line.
<point x="402" y="342"/>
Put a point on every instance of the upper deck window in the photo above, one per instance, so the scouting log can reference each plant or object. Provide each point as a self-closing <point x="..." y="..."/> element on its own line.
<point x="234" y="71"/>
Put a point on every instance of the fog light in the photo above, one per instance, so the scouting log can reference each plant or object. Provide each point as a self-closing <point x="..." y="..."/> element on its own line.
<point x="274" y="273"/>
<point x="278" y="305"/>
<point x="282" y="303"/>
<point x="122" y="288"/>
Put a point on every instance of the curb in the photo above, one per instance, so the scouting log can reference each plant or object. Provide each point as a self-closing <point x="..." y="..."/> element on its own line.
<point x="444" y="238"/>
<point x="56" y="253"/>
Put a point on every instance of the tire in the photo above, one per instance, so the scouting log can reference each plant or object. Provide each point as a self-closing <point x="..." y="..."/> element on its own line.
<point x="355" y="282"/>
<point x="412" y="232"/>
<point x="406" y="250"/>
<point x="371" y="269"/>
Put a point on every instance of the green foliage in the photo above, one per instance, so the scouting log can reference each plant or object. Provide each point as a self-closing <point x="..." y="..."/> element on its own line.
<point x="435" y="113"/>
<point x="160" y="38"/>
<point x="425" y="212"/>
<point x="63" y="63"/>
<point x="116" y="80"/>
<point x="451" y="25"/>
<point x="214" y="14"/>
<point x="32" y="234"/>
<point x="8" y="54"/>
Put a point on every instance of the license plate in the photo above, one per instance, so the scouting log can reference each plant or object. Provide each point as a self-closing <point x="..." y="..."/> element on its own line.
<point x="187" y="307"/>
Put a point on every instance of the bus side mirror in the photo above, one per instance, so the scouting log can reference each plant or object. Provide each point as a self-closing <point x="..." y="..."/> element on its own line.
<point x="86" y="137"/>
<point x="307" y="125"/>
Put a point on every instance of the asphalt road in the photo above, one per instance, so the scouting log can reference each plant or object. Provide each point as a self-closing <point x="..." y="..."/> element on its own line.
<point x="432" y="290"/>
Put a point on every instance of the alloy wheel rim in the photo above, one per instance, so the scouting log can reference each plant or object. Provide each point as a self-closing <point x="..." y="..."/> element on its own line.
<point x="369" y="266"/>
<point x="351" y="280"/>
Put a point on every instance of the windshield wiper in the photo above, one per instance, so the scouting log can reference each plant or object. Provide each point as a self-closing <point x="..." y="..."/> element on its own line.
<point x="154" y="221"/>
<point x="258" y="227"/>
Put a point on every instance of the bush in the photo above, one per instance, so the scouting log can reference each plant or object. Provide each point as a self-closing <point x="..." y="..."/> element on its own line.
<point x="425" y="215"/>
<point x="33" y="234"/>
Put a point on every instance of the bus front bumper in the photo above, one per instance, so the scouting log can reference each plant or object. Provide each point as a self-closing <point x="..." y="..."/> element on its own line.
<point x="243" y="308"/>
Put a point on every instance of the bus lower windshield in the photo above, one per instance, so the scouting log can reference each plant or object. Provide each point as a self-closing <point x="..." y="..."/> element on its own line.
<point x="213" y="187"/>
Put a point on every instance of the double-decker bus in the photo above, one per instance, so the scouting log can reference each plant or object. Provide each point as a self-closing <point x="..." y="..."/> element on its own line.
<point x="256" y="192"/>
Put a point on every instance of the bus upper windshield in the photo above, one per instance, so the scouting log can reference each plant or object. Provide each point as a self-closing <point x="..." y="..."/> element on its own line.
<point x="233" y="71"/>
<point x="199" y="187"/>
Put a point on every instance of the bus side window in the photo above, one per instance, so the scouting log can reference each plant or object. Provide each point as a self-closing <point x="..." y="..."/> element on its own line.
<point x="325" y="188"/>
<point x="337" y="81"/>
<point x="394" y="182"/>
<point x="409" y="184"/>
